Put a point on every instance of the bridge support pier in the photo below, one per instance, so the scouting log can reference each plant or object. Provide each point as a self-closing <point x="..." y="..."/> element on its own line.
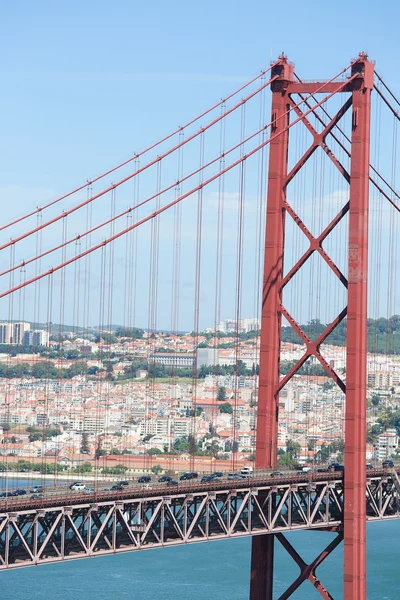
<point x="262" y="567"/>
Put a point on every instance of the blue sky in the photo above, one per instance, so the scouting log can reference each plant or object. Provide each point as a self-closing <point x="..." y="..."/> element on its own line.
<point x="84" y="84"/>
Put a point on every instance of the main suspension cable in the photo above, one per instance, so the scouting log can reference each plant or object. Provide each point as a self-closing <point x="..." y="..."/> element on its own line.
<point x="127" y="211"/>
<point x="180" y="198"/>
<point x="136" y="156"/>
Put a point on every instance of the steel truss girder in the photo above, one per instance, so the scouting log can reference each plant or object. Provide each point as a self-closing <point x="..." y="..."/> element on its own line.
<point x="41" y="535"/>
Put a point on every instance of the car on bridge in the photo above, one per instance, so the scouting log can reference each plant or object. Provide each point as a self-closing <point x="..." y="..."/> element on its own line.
<point x="189" y="475"/>
<point x="335" y="467"/>
<point x="246" y="471"/>
<point x="388" y="463"/>
<point x="77" y="486"/>
<point x="117" y="487"/>
<point x="144" y="479"/>
<point x="164" y="479"/>
<point x="37" y="489"/>
<point x="172" y="482"/>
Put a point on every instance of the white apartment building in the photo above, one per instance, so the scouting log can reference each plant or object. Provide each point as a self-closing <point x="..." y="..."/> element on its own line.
<point x="383" y="379"/>
<point x="387" y="444"/>
<point x="88" y="423"/>
<point x="13" y="333"/>
<point x="19" y="331"/>
<point x="250" y="360"/>
<point x="181" y="427"/>
<point x="243" y="325"/>
<point x="36" y="337"/>
<point x="172" y="359"/>
<point x="5" y="333"/>
<point x="165" y="426"/>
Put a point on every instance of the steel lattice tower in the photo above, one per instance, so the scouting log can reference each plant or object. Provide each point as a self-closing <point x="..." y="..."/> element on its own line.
<point x="353" y="532"/>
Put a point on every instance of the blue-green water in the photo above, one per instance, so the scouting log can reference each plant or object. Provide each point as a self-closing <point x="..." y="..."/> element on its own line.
<point x="204" y="571"/>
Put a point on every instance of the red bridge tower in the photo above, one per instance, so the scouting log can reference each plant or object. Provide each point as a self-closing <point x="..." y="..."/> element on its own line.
<point x="353" y="532"/>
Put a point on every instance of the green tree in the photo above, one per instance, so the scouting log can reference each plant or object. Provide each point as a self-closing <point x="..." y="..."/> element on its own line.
<point x="221" y="394"/>
<point x="323" y="454"/>
<point x="182" y="445"/>
<point x="117" y="470"/>
<point x="286" y="461"/>
<point x="156" y="469"/>
<point x="99" y="451"/>
<point x="153" y="451"/>
<point x="226" y="408"/>
<point x="293" y="448"/>
<point x="240" y="368"/>
<point x="373" y="432"/>
<point x="23" y="465"/>
<point x="375" y="399"/>
<point x="86" y="467"/>
<point x="212" y="449"/>
<point x="129" y="332"/>
<point x="328" y="385"/>
<point x="85" y="443"/>
<point x="108" y="338"/>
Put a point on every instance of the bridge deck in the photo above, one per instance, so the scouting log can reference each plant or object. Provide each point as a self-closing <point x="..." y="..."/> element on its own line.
<point x="67" y="525"/>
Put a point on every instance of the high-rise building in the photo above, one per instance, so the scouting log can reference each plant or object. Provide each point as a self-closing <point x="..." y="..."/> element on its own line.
<point x="36" y="337"/>
<point x="6" y="332"/>
<point x="13" y="333"/>
<point x="19" y="330"/>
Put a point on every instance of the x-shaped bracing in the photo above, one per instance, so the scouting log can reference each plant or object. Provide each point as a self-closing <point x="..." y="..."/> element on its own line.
<point x="313" y="348"/>
<point x="308" y="571"/>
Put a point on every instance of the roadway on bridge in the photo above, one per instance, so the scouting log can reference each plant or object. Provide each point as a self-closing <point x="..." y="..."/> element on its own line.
<point x="100" y="490"/>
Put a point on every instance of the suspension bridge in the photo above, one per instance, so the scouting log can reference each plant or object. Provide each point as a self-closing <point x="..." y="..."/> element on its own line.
<point x="279" y="201"/>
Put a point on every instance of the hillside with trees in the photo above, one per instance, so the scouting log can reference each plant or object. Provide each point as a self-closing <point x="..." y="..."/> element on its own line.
<point x="383" y="335"/>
